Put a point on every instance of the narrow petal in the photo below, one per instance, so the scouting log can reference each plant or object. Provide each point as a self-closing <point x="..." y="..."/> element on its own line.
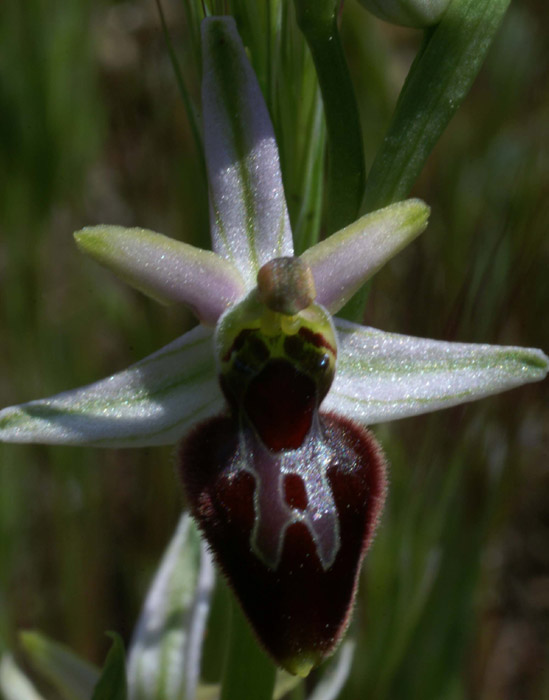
<point x="342" y="263"/>
<point x="383" y="376"/>
<point x="164" y="659"/>
<point x="165" y="269"/>
<point x="249" y="219"/>
<point x="153" y="402"/>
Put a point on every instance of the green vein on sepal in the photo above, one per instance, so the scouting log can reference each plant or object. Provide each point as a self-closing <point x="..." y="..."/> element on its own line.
<point x="137" y="395"/>
<point x="227" y="62"/>
<point x="171" y="389"/>
<point x="193" y="416"/>
<point x="385" y="376"/>
<point x="516" y="362"/>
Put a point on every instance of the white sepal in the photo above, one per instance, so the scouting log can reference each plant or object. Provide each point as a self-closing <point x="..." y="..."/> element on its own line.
<point x="249" y="218"/>
<point x="384" y="376"/>
<point x="153" y="402"/>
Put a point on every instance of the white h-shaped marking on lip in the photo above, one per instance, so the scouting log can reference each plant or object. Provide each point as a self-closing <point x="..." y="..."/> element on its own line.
<point x="273" y="515"/>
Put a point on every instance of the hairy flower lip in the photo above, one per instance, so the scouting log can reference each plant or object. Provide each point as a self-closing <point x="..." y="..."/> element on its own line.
<point x="298" y="608"/>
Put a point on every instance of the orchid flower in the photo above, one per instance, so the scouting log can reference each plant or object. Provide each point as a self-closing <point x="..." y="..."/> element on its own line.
<point x="268" y="397"/>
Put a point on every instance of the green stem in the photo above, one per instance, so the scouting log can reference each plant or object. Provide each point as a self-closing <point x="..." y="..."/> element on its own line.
<point x="439" y="80"/>
<point x="249" y="673"/>
<point x="317" y="20"/>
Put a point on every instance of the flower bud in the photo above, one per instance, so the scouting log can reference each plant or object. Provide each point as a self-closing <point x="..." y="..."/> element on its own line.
<point x="409" y="13"/>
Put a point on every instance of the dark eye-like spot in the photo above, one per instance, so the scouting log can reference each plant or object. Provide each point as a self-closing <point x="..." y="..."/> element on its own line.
<point x="294" y="492"/>
<point x="249" y="342"/>
<point x="293" y="346"/>
<point x="257" y="348"/>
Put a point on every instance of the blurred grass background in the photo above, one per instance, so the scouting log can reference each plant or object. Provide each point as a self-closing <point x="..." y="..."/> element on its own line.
<point x="454" y="598"/>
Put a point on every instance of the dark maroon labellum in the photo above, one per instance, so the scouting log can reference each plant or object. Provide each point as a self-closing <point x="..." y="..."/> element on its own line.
<point x="289" y="528"/>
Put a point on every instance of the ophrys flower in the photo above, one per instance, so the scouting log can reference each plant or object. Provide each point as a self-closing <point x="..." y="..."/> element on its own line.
<point x="268" y="396"/>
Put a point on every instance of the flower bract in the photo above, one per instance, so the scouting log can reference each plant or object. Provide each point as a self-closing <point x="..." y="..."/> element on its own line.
<point x="269" y="396"/>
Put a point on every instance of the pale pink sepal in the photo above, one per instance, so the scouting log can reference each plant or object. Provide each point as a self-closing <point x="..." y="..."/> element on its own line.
<point x="384" y="376"/>
<point x="165" y="269"/>
<point x="154" y="402"/>
<point x="249" y="218"/>
<point x="342" y="263"/>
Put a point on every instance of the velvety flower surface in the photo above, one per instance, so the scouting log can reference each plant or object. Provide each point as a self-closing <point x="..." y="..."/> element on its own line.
<point x="269" y="395"/>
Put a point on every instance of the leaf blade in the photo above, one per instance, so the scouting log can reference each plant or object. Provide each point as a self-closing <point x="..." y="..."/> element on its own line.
<point x="112" y="684"/>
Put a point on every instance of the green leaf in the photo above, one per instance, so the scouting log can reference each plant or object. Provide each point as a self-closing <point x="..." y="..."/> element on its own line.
<point x="317" y="20"/>
<point x="71" y="676"/>
<point x="112" y="684"/>
<point x="408" y="13"/>
<point x="440" y="78"/>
